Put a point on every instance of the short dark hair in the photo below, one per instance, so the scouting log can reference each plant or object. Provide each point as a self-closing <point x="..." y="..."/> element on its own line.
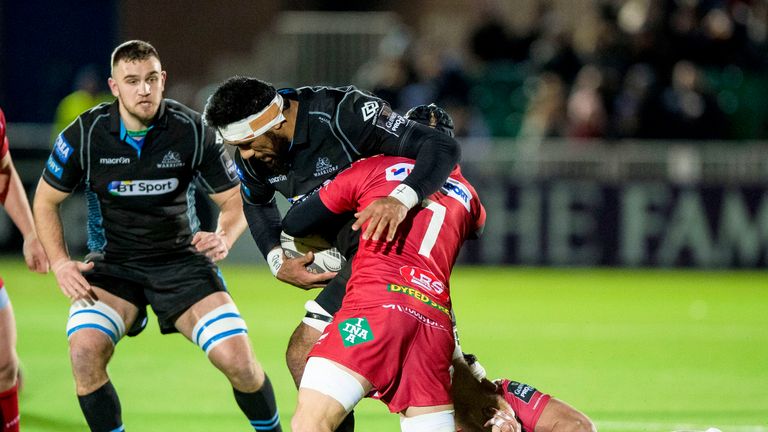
<point x="134" y="50"/>
<point x="236" y="99"/>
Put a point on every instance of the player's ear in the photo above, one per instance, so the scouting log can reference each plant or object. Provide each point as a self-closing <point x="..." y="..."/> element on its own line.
<point x="113" y="87"/>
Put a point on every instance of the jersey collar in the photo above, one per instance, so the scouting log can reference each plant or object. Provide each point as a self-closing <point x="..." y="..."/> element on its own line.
<point x="300" y="132"/>
<point x="161" y="119"/>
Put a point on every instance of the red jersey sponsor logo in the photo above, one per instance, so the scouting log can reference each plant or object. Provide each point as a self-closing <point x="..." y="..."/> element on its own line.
<point x="426" y="280"/>
<point x="418" y="295"/>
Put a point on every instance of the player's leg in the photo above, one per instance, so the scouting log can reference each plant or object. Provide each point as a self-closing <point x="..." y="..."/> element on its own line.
<point x="214" y="324"/>
<point x="428" y="419"/>
<point x="327" y="393"/>
<point x="9" y="366"/>
<point x="319" y="313"/>
<point x="93" y="331"/>
<point x="558" y="416"/>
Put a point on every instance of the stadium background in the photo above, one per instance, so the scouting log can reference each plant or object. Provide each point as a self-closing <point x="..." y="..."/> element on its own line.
<point x="610" y="142"/>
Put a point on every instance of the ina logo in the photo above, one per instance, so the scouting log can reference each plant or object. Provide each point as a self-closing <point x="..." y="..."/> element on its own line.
<point x="369" y="110"/>
<point x="355" y="331"/>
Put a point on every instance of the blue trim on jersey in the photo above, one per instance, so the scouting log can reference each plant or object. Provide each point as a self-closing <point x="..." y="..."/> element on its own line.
<point x="114" y="324"/>
<point x="97" y="239"/>
<point x="223" y="335"/>
<point x="105" y="330"/>
<point x="62" y="149"/>
<point x="54" y="168"/>
<point x="194" y="221"/>
<point x="213" y="320"/>
<point x="121" y="428"/>
<point x="221" y="277"/>
<point x="266" y="424"/>
<point x="136" y="143"/>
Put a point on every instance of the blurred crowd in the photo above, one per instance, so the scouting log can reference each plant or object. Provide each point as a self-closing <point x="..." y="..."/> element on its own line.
<point x="649" y="69"/>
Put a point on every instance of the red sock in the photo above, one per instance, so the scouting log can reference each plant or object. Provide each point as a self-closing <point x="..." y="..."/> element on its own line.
<point x="9" y="410"/>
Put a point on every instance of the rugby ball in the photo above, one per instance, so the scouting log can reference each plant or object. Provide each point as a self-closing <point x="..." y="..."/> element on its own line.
<point x="327" y="257"/>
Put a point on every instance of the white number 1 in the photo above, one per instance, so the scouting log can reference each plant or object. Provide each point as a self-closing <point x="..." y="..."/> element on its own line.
<point x="433" y="229"/>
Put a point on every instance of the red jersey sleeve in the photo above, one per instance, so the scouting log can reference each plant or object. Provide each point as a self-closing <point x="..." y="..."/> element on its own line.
<point x="340" y="194"/>
<point x="3" y="136"/>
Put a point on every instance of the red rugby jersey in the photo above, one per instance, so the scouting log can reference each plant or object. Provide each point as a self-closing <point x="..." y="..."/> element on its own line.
<point x="415" y="268"/>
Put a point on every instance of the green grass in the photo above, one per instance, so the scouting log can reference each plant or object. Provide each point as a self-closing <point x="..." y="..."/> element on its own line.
<point x="638" y="350"/>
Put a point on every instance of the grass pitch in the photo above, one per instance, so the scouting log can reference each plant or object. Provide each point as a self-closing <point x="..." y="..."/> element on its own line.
<point x="655" y="350"/>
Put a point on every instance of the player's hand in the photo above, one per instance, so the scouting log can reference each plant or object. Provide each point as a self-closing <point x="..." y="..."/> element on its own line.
<point x="71" y="281"/>
<point x="503" y="420"/>
<point x="384" y="215"/>
<point x="213" y="245"/>
<point x="294" y="271"/>
<point x="35" y="256"/>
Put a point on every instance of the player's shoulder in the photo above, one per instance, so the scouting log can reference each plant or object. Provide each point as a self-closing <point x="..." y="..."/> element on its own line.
<point x="97" y="112"/>
<point x="395" y="168"/>
<point x="177" y="111"/>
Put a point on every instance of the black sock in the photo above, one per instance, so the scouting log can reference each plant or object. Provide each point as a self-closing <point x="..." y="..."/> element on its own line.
<point x="348" y="425"/>
<point x="260" y="407"/>
<point x="102" y="409"/>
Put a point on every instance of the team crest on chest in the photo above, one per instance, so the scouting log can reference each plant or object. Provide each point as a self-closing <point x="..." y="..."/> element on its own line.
<point x="171" y="159"/>
<point x="324" y="166"/>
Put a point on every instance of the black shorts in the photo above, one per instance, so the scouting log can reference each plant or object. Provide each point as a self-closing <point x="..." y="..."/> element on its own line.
<point x="170" y="285"/>
<point x="346" y="242"/>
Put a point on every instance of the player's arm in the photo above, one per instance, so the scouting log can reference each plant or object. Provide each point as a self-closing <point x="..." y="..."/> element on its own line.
<point x="232" y="223"/>
<point x="263" y="219"/>
<point x="308" y="217"/>
<point x="51" y="234"/>
<point x="14" y="200"/>
<point x="218" y="177"/>
<point x="389" y="133"/>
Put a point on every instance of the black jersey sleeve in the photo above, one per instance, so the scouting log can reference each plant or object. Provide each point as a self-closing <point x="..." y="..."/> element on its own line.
<point x="435" y="153"/>
<point x="308" y="216"/>
<point x="216" y="168"/>
<point x="264" y="224"/>
<point x="64" y="168"/>
<point x="259" y="207"/>
<point x="368" y="126"/>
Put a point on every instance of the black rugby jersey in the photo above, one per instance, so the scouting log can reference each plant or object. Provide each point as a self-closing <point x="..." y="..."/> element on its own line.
<point x="334" y="127"/>
<point x="140" y="202"/>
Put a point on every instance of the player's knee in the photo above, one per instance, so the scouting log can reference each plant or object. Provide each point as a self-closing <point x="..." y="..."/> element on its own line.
<point x="243" y="371"/>
<point x="217" y="326"/>
<point x="95" y="319"/>
<point x="9" y="368"/>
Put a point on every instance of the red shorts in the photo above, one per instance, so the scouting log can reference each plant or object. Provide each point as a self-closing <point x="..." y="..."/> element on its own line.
<point x="527" y="402"/>
<point x="402" y="353"/>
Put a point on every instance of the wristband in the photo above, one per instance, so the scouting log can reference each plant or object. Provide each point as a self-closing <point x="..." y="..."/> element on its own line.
<point x="275" y="260"/>
<point x="406" y="195"/>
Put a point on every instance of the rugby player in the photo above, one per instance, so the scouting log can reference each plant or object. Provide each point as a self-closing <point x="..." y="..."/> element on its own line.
<point x="14" y="200"/>
<point x="137" y="158"/>
<point x="393" y="337"/>
<point x="292" y="140"/>
<point x="512" y="404"/>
